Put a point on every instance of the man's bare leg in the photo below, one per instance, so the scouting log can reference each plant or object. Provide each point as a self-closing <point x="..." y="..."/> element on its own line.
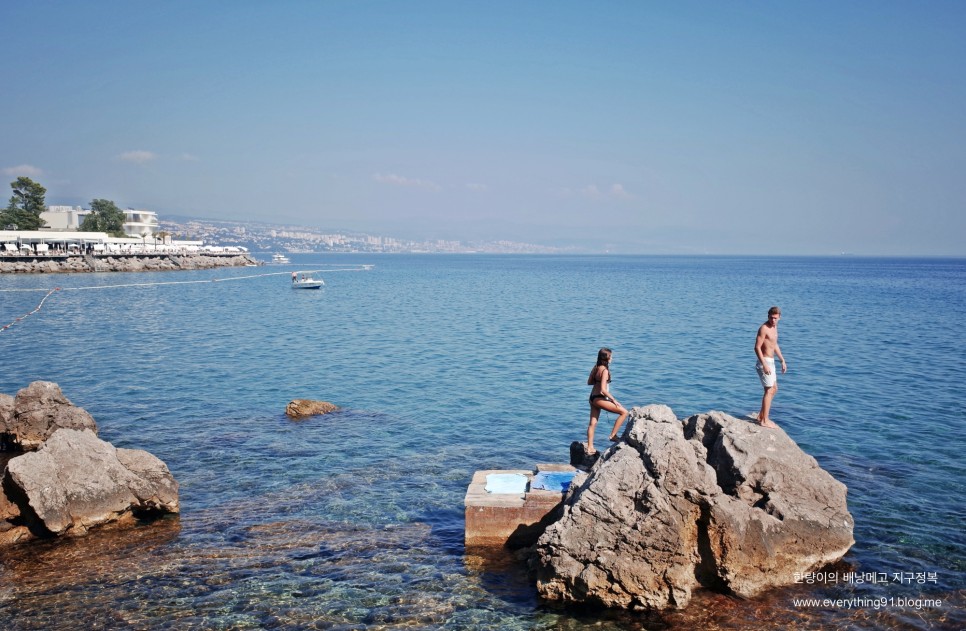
<point x="766" y="398"/>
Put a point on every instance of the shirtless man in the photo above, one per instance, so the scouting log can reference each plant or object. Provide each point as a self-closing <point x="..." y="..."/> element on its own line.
<point x="766" y="347"/>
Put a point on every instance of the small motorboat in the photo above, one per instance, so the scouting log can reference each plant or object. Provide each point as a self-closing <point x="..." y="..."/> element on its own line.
<point x="280" y="259"/>
<point x="304" y="280"/>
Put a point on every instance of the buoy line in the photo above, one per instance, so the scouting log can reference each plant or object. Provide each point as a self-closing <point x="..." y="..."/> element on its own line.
<point x="27" y="315"/>
<point x="192" y="282"/>
<point x="172" y="282"/>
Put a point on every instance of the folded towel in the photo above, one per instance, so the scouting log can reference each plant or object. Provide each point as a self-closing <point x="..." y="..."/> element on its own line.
<point x="502" y="483"/>
<point x="553" y="480"/>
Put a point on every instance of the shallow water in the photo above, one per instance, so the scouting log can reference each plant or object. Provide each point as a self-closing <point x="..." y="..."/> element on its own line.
<point x="446" y="365"/>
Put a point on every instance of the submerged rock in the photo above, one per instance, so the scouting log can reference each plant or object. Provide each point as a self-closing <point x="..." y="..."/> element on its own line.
<point x="303" y="408"/>
<point x="713" y="501"/>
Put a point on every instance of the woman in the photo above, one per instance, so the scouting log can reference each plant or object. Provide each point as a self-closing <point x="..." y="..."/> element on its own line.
<point x="601" y="398"/>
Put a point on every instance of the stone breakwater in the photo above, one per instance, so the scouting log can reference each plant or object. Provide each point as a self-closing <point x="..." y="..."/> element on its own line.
<point x="121" y="263"/>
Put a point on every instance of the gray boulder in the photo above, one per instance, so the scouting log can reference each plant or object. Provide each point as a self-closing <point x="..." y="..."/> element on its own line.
<point x="713" y="501"/>
<point x="6" y="420"/>
<point x="76" y="481"/>
<point x="38" y="411"/>
<point x="6" y="412"/>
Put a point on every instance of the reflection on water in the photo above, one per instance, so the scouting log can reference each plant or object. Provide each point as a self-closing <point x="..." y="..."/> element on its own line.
<point x="219" y="568"/>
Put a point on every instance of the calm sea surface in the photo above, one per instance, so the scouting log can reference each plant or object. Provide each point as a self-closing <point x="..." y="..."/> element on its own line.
<point x="448" y="364"/>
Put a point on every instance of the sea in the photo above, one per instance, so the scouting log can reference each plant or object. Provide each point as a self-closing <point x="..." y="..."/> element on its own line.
<point x="443" y="365"/>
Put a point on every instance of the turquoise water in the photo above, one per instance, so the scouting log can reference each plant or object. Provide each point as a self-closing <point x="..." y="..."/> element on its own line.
<point x="449" y="364"/>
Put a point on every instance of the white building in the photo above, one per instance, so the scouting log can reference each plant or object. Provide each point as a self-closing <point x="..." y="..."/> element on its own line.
<point x="63" y="218"/>
<point x="140" y="223"/>
<point x="137" y="223"/>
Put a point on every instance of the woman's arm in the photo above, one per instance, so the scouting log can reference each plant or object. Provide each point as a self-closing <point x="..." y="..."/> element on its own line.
<point x="605" y="386"/>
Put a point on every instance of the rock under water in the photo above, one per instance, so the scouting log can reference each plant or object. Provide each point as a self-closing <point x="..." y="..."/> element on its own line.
<point x="303" y="408"/>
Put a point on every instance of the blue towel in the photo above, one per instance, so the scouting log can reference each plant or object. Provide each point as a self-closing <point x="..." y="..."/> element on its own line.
<point x="503" y="483"/>
<point x="553" y="480"/>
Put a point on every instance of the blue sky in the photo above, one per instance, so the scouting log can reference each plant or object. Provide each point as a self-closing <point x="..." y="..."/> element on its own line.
<point x="677" y="127"/>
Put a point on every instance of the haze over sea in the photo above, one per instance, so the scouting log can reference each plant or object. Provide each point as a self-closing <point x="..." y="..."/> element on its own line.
<point x="449" y="364"/>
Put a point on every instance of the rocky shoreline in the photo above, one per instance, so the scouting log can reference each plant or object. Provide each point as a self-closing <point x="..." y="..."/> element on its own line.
<point x="74" y="263"/>
<point x="61" y="479"/>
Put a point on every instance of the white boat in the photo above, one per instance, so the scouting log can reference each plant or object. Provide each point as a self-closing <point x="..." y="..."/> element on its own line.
<point x="304" y="280"/>
<point x="280" y="258"/>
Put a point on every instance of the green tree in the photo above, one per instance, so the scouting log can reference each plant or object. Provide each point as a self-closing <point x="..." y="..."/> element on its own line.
<point x="105" y="216"/>
<point x="26" y="204"/>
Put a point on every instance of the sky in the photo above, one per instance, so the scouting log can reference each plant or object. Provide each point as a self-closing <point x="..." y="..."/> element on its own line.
<point x="681" y="127"/>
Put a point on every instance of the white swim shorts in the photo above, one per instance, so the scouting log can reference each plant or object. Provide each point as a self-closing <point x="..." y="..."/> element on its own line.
<point x="767" y="380"/>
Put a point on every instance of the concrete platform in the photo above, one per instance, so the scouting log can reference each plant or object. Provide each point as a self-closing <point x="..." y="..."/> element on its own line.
<point x="509" y="519"/>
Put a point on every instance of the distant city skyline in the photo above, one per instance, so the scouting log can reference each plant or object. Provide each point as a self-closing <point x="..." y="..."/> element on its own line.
<point x="272" y="237"/>
<point x="678" y="128"/>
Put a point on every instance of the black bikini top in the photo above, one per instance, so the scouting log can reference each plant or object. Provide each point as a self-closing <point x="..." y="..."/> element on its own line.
<point x="597" y="379"/>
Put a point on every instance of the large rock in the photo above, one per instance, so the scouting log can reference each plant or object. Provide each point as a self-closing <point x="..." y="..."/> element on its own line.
<point x="73" y="480"/>
<point x="38" y="411"/>
<point x="6" y="421"/>
<point x="76" y="481"/>
<point x="303" y="408"/>
<point x="712" y="501"/>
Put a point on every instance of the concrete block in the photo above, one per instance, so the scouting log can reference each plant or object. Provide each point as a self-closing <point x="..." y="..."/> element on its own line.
<point x="511" y="520"/>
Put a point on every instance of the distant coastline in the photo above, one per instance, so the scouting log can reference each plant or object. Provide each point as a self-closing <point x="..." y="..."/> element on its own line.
<point x="274" y="237"/>
<point x="144" y="262"/>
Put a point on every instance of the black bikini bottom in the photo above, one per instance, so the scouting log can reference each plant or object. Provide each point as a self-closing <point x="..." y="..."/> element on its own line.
<point x="594" y="397"/>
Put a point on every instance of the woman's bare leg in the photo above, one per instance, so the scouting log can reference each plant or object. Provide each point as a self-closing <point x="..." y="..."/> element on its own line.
<point x="614" y="409"/>
<point x="594" y="415"/>
<point x="617" y="425"/>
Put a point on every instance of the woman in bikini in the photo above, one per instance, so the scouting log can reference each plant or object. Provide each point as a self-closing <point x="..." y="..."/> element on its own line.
<point x="601" y="398"/>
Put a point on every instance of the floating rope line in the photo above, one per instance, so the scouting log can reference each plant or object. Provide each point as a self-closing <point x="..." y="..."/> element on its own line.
<point x="27" y="315"/>
<point x="362" y="268"/>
